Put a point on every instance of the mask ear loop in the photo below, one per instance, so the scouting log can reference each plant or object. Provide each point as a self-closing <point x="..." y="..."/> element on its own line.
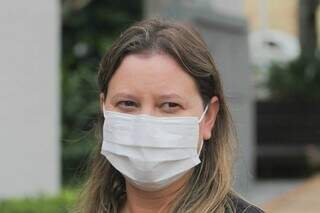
<point x="105" y="115"/>
<point x="203" y="114"/>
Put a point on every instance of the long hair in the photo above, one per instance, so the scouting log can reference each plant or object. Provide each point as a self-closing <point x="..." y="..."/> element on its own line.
<point x="209" y="187"/>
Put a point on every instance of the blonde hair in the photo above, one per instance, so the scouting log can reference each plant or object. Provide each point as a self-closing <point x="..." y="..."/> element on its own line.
<point x="209" y="188"/>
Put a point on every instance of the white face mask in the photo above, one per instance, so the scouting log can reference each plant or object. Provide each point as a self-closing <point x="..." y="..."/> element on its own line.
<point x="151" y="152"/>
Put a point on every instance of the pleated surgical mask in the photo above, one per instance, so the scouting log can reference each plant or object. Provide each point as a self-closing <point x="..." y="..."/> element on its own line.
<point x="151" y="152"/>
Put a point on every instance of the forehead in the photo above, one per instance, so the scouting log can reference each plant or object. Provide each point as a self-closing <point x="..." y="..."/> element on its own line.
<point x="152" y="73"/>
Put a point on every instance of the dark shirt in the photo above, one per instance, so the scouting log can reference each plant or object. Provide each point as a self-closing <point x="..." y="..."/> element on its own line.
<point x="242" y="206"/>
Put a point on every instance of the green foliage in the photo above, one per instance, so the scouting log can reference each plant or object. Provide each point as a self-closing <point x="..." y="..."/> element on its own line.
<point x="88" y="32"/>
<point x="41" y="204"/>
<point x="298" y="80"/>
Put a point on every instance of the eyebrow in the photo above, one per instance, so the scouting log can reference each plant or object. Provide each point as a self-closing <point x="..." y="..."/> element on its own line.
<point x="170" y="96"/>
<point x="122" y="95"/>
<point x="132" y="97"/>
<point x="173" y="96"/>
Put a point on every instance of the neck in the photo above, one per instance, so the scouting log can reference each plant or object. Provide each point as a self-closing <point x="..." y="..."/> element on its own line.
<point x="140" y="201"/>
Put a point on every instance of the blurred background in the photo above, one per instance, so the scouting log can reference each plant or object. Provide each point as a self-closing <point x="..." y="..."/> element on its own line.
<point x="268" y="57"/>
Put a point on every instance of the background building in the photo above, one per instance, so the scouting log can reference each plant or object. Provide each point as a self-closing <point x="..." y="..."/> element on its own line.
<point x="29" y="98"/>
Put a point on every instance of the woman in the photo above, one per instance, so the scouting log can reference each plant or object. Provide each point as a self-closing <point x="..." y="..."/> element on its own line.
<point x="167" y="136"/>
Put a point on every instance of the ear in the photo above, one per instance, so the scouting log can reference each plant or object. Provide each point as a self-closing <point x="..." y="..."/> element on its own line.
<point x="102" y="100"/>
<point x="210" y="118"/>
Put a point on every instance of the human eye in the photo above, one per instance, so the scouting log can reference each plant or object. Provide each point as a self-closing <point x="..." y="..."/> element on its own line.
<point x="170" y="107"/>
<point x="127" y="105"/>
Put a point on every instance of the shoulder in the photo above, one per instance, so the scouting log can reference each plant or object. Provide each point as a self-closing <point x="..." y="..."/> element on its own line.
<point x="242" y="206"/>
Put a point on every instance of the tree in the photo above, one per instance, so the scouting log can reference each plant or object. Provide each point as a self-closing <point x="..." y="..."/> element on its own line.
<point x="307" y="28"/>
<point x="299" y="80"/>
<point x="88" y="29"/>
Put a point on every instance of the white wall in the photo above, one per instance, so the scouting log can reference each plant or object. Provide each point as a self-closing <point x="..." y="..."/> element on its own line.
<point x="228" y="7"/>
<point x="29" y="97"/>
<point x="227" y="41"/>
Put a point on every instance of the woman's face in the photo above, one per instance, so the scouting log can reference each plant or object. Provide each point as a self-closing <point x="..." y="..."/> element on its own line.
<point x="156" y="85"/>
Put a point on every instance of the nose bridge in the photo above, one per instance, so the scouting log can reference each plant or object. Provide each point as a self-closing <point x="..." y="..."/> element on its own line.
<point x="148" y="106"/>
